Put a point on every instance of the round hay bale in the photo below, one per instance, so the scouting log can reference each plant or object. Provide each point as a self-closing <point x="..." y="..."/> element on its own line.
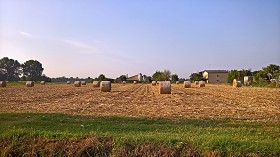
<point x="68" y="82"/>
<point x="83" y="82"/>
<point x="154" y="83"/>
<point x="77" y="83"/>
<point x="29" y="83"/>
<point x="95" y="83"/>
<point x="187" y="84"/>
<point x="236" y="83"/>
<point x="134" y="82"/>
<point x="201" y="84"/>
<point x="177" y="82"/>
<point x="3" y="84"/>
<point x="42" y="82"/>
<point x="196" y="82"/>
<point x="164" y="87"/>
<point x="123" y="82"/>
<point x="105" y="86"/>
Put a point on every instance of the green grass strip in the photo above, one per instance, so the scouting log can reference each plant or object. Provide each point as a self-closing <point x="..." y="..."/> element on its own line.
<point x="226" y="135"/>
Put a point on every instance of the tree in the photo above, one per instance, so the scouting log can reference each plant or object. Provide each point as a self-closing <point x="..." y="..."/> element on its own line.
<point x="157" y="76"/>
<point x="33" y="70"/>
<point x="9" y="69"/>
<point x="161" y="76"/>
<point x="272" y="69"/>
<point x="174" y="78"/>
<point x="195" y="77"/>
<point x="45" y="78"/>
<point x="233" y="74"/>
<point x="122" y="78"/>
<point x="101" y="77"/>
<point x="149" y="79"/>
<point x="166" y="75"/>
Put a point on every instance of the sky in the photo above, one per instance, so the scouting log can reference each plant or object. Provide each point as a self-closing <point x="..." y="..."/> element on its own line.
<point x="118" y="37"/>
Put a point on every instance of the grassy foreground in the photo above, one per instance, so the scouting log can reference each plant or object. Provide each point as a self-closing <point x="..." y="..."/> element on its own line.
<point x="122" y="135"/>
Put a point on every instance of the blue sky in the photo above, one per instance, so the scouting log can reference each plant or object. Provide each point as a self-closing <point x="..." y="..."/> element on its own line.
<point x="115" y="37"/>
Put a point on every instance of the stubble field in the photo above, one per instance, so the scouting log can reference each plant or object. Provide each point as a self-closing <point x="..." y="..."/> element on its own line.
<point x="143" y="100"/>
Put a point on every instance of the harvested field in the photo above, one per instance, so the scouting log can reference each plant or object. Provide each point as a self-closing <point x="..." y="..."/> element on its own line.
<point x="144" y="100"/>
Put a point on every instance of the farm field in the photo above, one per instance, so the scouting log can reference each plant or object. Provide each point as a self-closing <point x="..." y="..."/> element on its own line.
<point x="135" y="120"/>
<point x="143" y="100"/>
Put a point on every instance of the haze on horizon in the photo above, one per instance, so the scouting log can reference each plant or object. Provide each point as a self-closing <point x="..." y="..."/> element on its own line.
<point x="119" y="37"/>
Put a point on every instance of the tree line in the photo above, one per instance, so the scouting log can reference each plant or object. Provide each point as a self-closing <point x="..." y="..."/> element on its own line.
<point x="12" y="70"/>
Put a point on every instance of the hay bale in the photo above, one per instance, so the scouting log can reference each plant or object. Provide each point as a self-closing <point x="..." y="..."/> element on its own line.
<point x="83" y="82"/>
<point x="95" y="83"/>
<point x="68" y="82"/>
<point x="196" y="82"/>
<point x="77" y="83"/>
<point x="187" y="84"/>
<point x="134" y="82"/>
<point x="165" y="87"/>
<point x="201" y="84"/>
<point x="236" y="83"/>
<point x="105" y="86"/>
<point x="3" y="84"/>
<point x="154" y="83"/>
<point x="177" y="82"/>
<point x="123" y="82"/>
<point x="29" y="83"/>
<point x="42" y="82"/>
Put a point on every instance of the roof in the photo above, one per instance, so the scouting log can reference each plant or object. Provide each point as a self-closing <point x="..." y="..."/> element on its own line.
<point x="216" y="71"/>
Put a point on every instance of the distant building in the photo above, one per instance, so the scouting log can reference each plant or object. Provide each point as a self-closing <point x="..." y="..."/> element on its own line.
<point x="138" y="77"/>
<point x="215" y="76"/>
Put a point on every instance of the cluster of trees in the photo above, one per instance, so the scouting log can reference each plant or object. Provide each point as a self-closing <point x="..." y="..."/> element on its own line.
<point x="12" y="70"/>
<point x="101" y="77"/>
<point x="196" y="77"/>
<point x="267" y="73"/>
<point x="165" y="76"/>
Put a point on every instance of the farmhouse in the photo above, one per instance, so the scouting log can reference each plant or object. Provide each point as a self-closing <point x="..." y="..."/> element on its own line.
<point x="137" y="77"/>
<point x="215" y="76"/>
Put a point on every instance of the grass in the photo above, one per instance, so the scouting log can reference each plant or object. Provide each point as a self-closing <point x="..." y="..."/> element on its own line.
<point x="225" y="135"/>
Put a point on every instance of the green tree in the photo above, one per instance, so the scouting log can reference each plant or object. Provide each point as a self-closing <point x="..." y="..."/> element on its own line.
<point x="32" y="69"/>
<point x="9" y="69"/>
<point x="174" y="78"/>
<point x="122" y="78"/>
<point x="101" y="77"/>
<point x="233" y="74"/>
<point x="195" y="77"/>
<point x="157" y="76"/>
<point x="162" y="76"/>
<point x="166" y="74"/>
<point x="272" y="69"/>
<point x="45" y="78"/>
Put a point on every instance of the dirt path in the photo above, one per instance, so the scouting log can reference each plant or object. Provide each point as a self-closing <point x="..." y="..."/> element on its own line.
<point x="213" y="101"/>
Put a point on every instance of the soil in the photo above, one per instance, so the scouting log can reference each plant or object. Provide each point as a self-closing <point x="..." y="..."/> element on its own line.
<point x="144" y="100"/>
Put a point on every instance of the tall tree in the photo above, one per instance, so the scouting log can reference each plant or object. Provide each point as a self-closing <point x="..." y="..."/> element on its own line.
<point x="195" y="77"/>
<point x="33" y="70"/>
<point x="174" y="78"/>
<point x="166" y="75"/>
<point x="162" y="76"/>
<point x="9" y="69"/>
<point x="157" y="76"/>
<point x="272" y="69"/>
<point x="101" y="77"/>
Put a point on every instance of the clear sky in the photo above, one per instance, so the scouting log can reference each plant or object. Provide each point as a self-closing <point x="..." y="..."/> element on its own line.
<point x="114" y="37"/>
